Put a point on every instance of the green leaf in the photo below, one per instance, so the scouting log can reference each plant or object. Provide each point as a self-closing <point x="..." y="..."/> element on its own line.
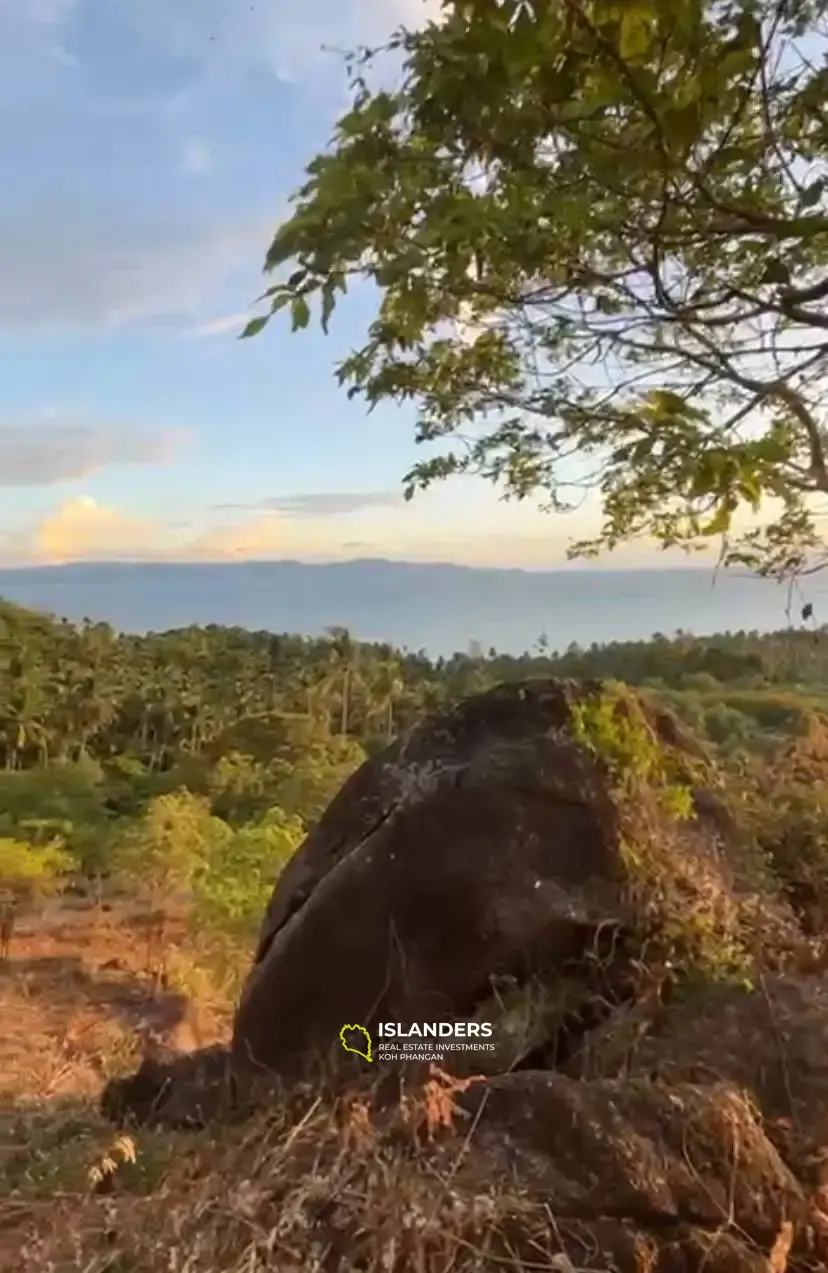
<point x="255" y="326"/>
<point x="720" y="522"/>
<point x="635" y="35"/>
<point x="681" y="127"/>
<point x="299" y="313"/>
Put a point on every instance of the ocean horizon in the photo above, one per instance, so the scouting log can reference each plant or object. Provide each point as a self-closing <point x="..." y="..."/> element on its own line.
<point x="438" y="607"/>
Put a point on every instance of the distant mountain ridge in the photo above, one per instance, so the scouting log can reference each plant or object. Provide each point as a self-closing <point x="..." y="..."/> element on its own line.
<point x="81" y="568"/>
<point x="438" y="606"/>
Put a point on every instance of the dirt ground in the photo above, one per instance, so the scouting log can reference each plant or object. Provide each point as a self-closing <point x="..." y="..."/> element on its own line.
<point x="79" y="1004"/>
<point x="77" y="997"/>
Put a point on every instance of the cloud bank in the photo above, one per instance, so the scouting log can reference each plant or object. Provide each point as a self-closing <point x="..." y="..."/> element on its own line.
<point x="320" y="503"/>
<point x="94" y="267"/>
<point x="83" y="529"/>
<point x="45" y="454"/>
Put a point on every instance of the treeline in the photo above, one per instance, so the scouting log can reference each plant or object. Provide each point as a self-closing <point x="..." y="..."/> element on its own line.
<point x="68" y="691"/>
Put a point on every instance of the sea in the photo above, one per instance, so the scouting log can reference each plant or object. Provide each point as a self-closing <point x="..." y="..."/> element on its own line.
<point x="438" y="608"/>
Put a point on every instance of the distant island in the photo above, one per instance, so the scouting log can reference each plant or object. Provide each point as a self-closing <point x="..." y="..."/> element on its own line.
<point x="437" y="607"/>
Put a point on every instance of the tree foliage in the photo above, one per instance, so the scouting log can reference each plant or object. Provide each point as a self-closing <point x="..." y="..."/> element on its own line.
<point x="28" y="870"/>
<point x="61" y="802"/>
<point x="215" y="749"/>
<point x="160" y="854"/>
<point x="599" y="232"/>
<point x="232" y="891"/>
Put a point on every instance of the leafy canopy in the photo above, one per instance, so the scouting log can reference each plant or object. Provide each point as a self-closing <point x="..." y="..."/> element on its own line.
<point x="27" y="869"/>
<point x="159" y="854"/>
<point x="231" y="894"/>
<point x="599" y="232"/>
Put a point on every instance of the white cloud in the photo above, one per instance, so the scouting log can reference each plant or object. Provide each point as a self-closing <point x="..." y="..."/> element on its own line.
<point x="321" y="503"/>
<point x="230" y="323"/>
<point x="99" y="264"/>
<point x="42" y="454"/>
<point x="31" y="52"/>
<point x="197" y="158"/>
<point x="284" y="39"/>
<point x="225" y="40"/>
<point x="91" y="266"/>
<point x="41" y="13"/>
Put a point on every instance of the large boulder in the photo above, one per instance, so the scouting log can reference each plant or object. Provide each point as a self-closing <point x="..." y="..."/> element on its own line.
<point x="552" y="857"/>
<point x="493" y="841"/>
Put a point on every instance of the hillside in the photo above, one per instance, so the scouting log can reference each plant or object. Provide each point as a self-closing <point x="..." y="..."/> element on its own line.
<point x="153" y="787"/>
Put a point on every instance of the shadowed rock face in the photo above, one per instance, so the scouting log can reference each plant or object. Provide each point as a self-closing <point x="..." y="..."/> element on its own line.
<point x="174" y="1090"/>
<point x="656" y="1153"/>
<point x="483" y="843"/>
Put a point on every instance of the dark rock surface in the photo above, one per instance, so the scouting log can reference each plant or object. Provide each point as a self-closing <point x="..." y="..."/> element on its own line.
<point x="485" y="843"/>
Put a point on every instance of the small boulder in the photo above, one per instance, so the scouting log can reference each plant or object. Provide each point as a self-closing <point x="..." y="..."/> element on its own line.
<point x="771" y="1040"/>
<point x="171" y="1089"/>
<point x="681" y="1174"/>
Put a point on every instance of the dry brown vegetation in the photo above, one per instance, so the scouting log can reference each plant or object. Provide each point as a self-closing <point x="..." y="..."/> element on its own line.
<point x="319" y="1187"/>
<point x="78" y="1005"/>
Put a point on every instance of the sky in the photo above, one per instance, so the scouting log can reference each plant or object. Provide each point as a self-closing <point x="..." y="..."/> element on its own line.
<point x="148" y="148"/>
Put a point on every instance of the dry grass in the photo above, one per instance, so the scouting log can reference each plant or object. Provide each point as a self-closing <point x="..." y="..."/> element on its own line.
<point x="77" y="1007"/>
<point x="349" y="1186"/>
<point x="375" y="1182"/>
<point x="319" y="1183"/>
<point x="322" y="1187"/>
<point x="75" y="1001"/>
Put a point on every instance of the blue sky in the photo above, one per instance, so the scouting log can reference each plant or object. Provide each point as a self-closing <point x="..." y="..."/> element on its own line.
<point x="148" y="148"/>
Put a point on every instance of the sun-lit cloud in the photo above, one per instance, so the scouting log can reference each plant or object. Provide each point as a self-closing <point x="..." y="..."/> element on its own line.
<point x="42" y="454"/>
<point x="316" y="539"/>
<point x="81" y="529"/>
<point x="262" y="538"/>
